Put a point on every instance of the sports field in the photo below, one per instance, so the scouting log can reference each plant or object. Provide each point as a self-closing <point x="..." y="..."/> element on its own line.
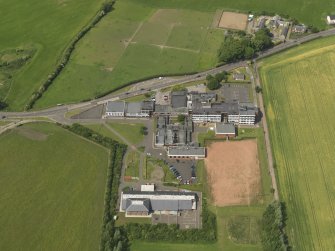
<point x="52" y="187"/>
<point x="134" y="42"/>
<point x="233" y="172"/>
<point x="299" y="90"/>
<point x="47" y="26"/>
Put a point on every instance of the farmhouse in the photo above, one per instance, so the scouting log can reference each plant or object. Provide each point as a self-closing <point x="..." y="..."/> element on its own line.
<point x="188" y="152"/>
<point x="299" y="28"/>
<point x="239" y="76"/>
<point x="144" y="203"/>
<point x="225" y="130"/>
<point x="331" y="19"/>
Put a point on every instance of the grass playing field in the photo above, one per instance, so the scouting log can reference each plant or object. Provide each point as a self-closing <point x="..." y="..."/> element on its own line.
<point x="136" y="41"/>
<point x="52" y="187"/>
<point x="48" y="26"/>
<point x="299" y="98"/>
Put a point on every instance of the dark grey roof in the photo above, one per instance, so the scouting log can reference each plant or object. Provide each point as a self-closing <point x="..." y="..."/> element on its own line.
<point x="187" y="151"/>
<point x="138" y="205"/>
<point x="284" y="31"/>
<point x="203" y="97"/>
<point x="178" y="99"/>
<point x="223" y="128"/>
<point x="216" y="108"/>
<point x="160" y="136"/>
<point x="332" y="17"/>
<point x="247" y="109"/>
<point x="155" y="201"/>
<point x="160" y="193"/>
<point x="133" y="107"/>
<point x="148" y="105"/>
<point x="115" y="106"/>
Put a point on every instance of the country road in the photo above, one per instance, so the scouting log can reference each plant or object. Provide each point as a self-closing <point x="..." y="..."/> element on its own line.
<point x="58" y="113"/>
<point x="157" y="83"/>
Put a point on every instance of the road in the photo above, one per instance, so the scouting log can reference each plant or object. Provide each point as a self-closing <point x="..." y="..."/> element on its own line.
<point x="158" y="83"/>
<point x="58" y="113"/>
<point x="266" y="136"/>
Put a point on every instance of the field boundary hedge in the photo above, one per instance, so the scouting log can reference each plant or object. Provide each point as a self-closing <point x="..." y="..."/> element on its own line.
<point x="65" y="58"/>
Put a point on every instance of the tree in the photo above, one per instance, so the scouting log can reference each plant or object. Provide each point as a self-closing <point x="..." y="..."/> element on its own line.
<point x="249" y="52"/>
<point x="258" y="89"/>
<point x="262" y="40"/>
<point x="221" y="76"/>
<point x="143" y="130"/>
<point x="213" y="84"/>
<point x="107" y="6"/>
<point x="3" y="105"/>
<point x="181" y="118"/>
<point x="231" y="50"/>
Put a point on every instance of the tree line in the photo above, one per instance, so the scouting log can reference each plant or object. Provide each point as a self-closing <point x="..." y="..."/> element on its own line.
<point x="104" y="10"/>
<point x="273" y="235"/>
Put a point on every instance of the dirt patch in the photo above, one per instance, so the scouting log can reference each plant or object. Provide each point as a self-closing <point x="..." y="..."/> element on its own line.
<point x="31" y="134"/>
<point x="233" y="172"/>
<point x="157" y="174"/>
<point x="232" y="20"/>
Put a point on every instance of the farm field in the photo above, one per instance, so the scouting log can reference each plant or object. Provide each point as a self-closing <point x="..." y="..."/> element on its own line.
<point x="299" y="99"/>
<point x="52" y="187"/>
<point x="47" y="27"/>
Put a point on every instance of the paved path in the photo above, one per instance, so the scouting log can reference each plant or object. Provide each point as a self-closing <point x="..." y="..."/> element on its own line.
<point x="266" y="137"/>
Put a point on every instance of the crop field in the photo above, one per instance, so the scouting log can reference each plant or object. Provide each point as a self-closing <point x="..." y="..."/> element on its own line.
<point x="133" y="42"/>
<point x="299" y="90"/>
<point x="47" y="26"/>
<point x="52" y="188"/>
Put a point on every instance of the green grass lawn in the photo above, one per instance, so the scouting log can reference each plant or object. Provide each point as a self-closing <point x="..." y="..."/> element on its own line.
<point x="130" y="131"/>
<point x="132" y="163"/>
<point x="47" y="26"/>
<point x="52" y="188"/>
<point x="299" y="98"/>
<point x="103" y="130"/>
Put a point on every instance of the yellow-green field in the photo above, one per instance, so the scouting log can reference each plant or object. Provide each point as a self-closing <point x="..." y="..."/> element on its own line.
<point x="52" y="187"/>
<point x="299" y="99"/>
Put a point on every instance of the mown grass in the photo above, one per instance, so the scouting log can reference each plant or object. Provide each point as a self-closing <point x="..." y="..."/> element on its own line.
<point x="47" y="26"/>
<point x="103" y="130"/>
<point x="132" y="163"/>
<point x="134" y="42"/>
<point x="130" y="131"/>
<point x="52" y="189"/>
<point x="298" y="88"/>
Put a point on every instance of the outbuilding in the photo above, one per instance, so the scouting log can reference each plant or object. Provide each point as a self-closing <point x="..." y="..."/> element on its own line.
<point x="225" y="130"/>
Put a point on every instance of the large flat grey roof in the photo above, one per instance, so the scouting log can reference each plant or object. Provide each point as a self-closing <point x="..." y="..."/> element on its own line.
<point x="223" y="128"/>
<point x="134" y="107"/>
<point x="115" y="106"/>
<point x="187" y="151"/>
<point x="178" y="99"/>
